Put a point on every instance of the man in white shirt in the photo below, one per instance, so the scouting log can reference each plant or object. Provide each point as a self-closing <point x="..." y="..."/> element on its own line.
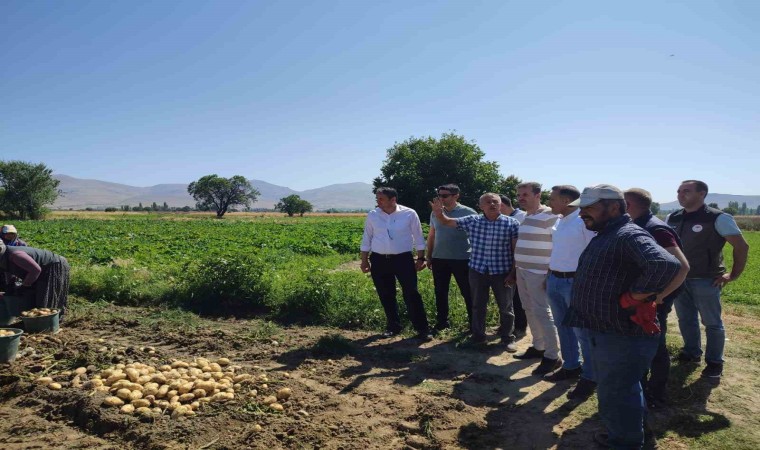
<point x="390" y="233"/>
<point x="569" y="238"/>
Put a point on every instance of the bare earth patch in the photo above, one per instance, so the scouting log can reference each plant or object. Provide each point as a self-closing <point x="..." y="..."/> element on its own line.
<point x="352" y="390"/>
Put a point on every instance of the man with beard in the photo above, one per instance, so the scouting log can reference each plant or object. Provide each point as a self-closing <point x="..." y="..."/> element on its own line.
<point x="619" y="276"/>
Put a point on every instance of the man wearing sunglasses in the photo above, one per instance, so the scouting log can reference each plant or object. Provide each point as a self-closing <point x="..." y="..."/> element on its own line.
<point x="449" y="253"/>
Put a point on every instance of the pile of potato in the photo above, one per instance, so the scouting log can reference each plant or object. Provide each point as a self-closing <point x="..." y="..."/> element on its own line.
<point x="6" y="333"/>
<point x="180" y="388"/>
<point x="39" y="312"/>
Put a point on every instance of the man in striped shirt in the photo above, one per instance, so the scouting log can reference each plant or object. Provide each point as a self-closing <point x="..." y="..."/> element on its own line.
<point x="532" y="254"/>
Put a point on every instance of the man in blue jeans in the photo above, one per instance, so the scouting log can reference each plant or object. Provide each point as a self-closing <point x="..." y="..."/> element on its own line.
<point x="569" y="237"/>
<point x="621" y="265"/>
<point x="704" y="231"/>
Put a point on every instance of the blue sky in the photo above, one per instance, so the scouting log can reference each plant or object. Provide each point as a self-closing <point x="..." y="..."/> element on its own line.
<point x="306" y="94"/>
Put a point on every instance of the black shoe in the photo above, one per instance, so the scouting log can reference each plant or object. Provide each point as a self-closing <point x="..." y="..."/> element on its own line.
<point x="583" y="390"/>
<point x="424" y="337"/>
<point x="687" y="359"/>
<point x="530" y="353"/>
<point x="520" y="333"/>
<point x="547" y="365"/>
<point x="713" y="370"/>
<point x="563" y="374"/>
<point x="390" y="333"/>
<point x="656" y="403"/>
<point x="602" y="438"/>
<point x="441" y="326"/>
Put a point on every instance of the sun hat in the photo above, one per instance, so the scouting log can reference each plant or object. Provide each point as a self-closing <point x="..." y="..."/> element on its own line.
<point x="593" y="194"/>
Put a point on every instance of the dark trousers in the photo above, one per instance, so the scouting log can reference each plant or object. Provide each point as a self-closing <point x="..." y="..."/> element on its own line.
<point x="659" y="372"/>
<point x="385" y="270"/>
<point x="521" y="321"/>
<point x="443" y="269"/>
<point x="481" y="284"/>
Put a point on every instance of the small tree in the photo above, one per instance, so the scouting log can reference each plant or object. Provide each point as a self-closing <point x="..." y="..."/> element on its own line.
<point x="655" y="208"/>
<point x="713" y="205"/>
<point x="293" y="204"/>
<point x="417" y="166"/>
<point x="732" y="210"/>
<point x="26" y="189"/>
<point x="219" y="194"/>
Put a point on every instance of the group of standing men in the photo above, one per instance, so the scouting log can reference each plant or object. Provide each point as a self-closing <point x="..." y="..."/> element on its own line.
<point x="597" y="274"/>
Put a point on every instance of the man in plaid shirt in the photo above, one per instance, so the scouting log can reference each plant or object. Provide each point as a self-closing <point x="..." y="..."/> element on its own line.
<point x="492" y="239"/>
<point x="622" y="265"/>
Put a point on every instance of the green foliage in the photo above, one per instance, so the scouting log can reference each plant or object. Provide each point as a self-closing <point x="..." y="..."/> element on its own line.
<point x="745" y="289"/>
<point x="731" y="210"/>
<point x="238" y="284"/>
<point x="335" y="345"/>
<point x="216" y="193"/>
<point x="655" y="208"/>
<point x="417" y="166"/>
<point x="26" y="189"/>
<point x="122" y="283"/>
<point x="293" y="204"/>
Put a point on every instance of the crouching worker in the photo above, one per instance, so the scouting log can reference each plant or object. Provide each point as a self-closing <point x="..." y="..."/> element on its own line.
<point x="44" y="275"/>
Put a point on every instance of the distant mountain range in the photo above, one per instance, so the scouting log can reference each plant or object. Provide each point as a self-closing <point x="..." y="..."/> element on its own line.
<point x="721" y="199"/>
<point x="80" y="193"/>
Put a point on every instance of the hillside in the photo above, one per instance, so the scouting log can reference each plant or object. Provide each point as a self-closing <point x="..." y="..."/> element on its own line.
<point x="721" y="199"/>
<point x="82" y="193"/>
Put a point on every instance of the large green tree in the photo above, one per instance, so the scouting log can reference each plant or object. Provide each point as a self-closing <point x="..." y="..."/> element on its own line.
<point x="417" y="166"/>
<point x="216" y="193"/>
<point x="293" y="204"/>
<point x="26" y="189"/>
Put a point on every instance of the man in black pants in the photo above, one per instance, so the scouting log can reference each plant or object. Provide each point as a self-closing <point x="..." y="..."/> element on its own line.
<point x="638" y="201"/>
<point x="448" y="250"/>
<point x="390" y="233"/>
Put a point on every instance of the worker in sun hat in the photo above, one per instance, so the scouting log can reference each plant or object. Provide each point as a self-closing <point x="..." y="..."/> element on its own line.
<point x="9" y="235"/>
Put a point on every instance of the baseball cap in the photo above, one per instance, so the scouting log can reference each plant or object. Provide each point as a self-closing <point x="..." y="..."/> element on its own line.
<point x="8" y="229"/>
<point x="593" y="194"/>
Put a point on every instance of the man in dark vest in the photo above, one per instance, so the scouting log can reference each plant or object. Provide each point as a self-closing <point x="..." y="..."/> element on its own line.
<point x="639" y="202"/>
<point x="703" y="232"/>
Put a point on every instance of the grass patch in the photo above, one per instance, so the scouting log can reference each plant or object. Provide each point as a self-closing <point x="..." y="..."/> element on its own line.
<point x="335" y="345"/>
<point x="745" y="289"/>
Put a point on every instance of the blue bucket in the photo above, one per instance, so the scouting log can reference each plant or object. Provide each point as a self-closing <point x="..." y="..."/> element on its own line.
<point x="9" y="345"/>
<point x="42" y="324"/>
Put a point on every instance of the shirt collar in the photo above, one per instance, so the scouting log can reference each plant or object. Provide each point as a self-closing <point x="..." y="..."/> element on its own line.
<point x="614" y="224"/>
<point x="573" y="214"/>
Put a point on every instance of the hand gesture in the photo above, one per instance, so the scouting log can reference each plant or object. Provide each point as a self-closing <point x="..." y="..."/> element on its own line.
<point x="365" y="266"/>
<point x="436" y="205"/>
<point x="722" y="280"/>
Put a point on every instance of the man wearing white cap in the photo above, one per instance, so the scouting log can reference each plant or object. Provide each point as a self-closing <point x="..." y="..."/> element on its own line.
<point x="9" y="235"/>
<point x="619" y="275"/>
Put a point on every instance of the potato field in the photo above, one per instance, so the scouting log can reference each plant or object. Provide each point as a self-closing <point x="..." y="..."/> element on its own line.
<point x="187" y="332"/>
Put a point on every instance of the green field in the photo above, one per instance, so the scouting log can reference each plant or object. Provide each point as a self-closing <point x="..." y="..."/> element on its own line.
<point x="292" y="269"/>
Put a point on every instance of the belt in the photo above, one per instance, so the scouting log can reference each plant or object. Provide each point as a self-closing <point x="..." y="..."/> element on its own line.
<point x="562" y="274"/>
<point x="390" y="255"/>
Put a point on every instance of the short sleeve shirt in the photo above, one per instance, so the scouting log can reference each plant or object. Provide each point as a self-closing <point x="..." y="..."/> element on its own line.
<point x="451" y="243"/>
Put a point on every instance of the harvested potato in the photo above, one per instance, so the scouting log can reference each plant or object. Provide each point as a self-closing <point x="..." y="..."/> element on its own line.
<point x="43" y="381"/>
<point x="276" y="407"/>
<point x="284" y="394"/>
<point x="269" y="400"/>
<point x="140" y="403"/>
<point x="54" y="386"/>
<point x="39" y="312"/>
<point x="6" y="333"/>
<point x="113" y="401"/>
<point x="127" y="409"/>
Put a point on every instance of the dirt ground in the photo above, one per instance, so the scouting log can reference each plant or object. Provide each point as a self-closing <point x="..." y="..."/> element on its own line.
<point x="351" y="390"/>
